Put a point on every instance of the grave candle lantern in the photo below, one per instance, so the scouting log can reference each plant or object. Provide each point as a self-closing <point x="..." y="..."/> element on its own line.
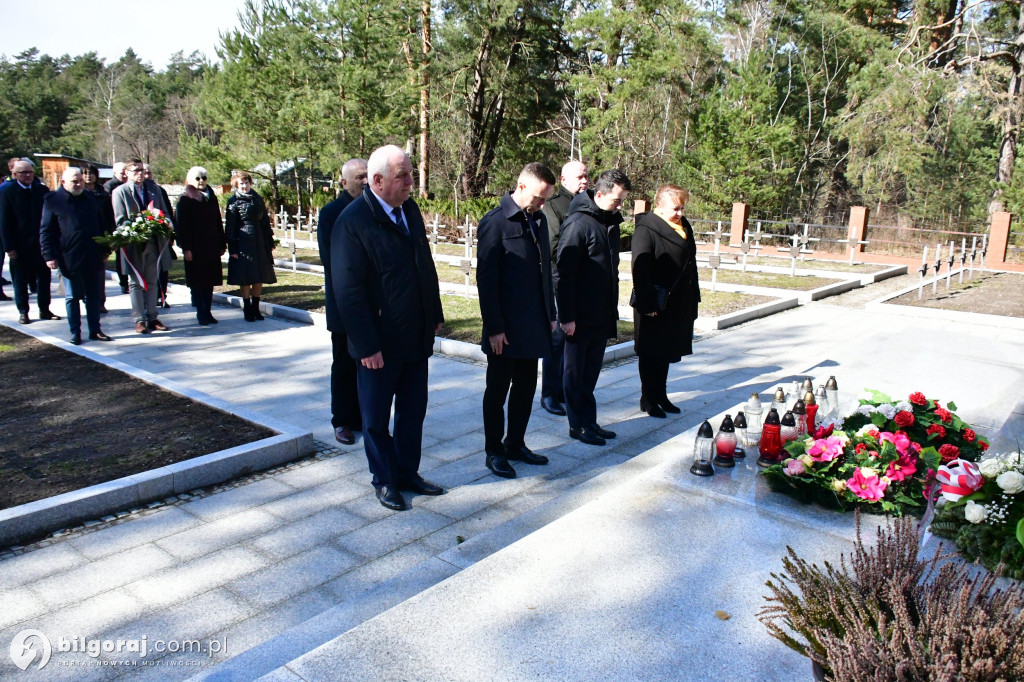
<point x="770" y="446"/>
<point x="752" y="411"/>
<point x="800" y="417"/>
<point x="824" y="407"/>
<point x="789" y="428"/>
<point x="740" y="423"/>
<point x="779" y="400"/>
<point x="725" y="444"/>
<point x="832" y="391"/>
<point x="811" y="405"/>
<point x="703" y="451"/>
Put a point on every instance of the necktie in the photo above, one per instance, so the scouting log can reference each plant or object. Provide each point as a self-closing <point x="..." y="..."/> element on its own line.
<point x="533" y="228"/>
<point x="397" y="212"/>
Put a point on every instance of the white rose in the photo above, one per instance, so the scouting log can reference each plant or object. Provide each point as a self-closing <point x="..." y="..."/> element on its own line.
<point x="975" y="513"/>
<point x="990" y="468"/>
<point x="1011" y="482"/>
<point x="904" y="407"/>
<point x="888" y="410"/>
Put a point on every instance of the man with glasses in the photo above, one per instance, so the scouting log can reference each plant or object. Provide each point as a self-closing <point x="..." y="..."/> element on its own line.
<point x="141" y="261"/>
<point x="21" y="210"/>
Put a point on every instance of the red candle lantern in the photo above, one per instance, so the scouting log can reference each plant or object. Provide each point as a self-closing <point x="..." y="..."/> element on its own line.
<point x="811" y="405"/>
<point x="770" y="445"/>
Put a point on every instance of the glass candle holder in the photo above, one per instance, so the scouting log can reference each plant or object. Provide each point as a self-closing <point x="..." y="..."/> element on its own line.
<point x="725" y="444"/>
<point x="703" y="451"/>
<point x="770" y="446"/>
<point x="740" y="424"/>
<point x="752" y="410"/>
<point x="789" y="429"/>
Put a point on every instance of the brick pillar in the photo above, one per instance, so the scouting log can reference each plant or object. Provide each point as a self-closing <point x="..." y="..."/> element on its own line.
<point x="998" y="237"/>
<point x="740" y="214"/>
<point x="858" y="227"/>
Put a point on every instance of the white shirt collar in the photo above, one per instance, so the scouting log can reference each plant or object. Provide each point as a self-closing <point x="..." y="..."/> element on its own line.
<point x="23" y="186"/>
<point x="388" y="208"/>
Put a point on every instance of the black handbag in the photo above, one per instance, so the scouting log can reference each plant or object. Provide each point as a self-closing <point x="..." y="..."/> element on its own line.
<point x="660" y="294"/>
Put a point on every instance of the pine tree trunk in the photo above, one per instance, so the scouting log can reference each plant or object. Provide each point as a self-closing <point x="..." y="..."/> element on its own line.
<point x="424" y="160"/>
<point x="1011" y="119"/>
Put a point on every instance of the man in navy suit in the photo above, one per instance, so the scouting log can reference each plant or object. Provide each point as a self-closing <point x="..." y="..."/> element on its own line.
<point x="345" y="417"/>
<point x="386" y="291"/>
<point x="21" y="210"/>
<point x="518" y="309"/>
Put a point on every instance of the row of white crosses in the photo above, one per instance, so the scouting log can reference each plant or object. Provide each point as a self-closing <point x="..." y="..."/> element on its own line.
<point x="466" y="264"/>
<point x="965" y="257"/>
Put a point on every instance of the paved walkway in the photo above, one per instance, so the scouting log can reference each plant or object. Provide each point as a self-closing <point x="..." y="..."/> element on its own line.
<point x="620" y="552"/>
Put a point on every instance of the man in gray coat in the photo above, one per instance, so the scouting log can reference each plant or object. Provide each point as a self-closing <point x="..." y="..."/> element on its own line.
<point x="141" y="261"/>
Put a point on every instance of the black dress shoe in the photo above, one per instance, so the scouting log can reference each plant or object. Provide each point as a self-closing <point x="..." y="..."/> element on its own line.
<point x="3" y="296"/>
<point x="23" y="319"/>
<point x="524" y="454"/>
<point x="76" y="339"/>
<point x="552" y="406"/>
<point x="47" y="315"/>
<point x="99" y="336"/>
<point x="604" y="433"/>
<point x="422" y="486"/>
<point x="666" y="404"/>
<point x="585" y="435"/>
<point x="499" y="466"/>
<point x="391" y="498"/>
<point x="651" y="408"/>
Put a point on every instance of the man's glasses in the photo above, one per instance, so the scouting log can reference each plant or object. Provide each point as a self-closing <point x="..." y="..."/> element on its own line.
<point x="134" y="170"/>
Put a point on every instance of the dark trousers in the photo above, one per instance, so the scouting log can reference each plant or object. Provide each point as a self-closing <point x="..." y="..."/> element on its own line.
<point x="89" y="287"/>
<point x="344" y="394"/>
<point x="26" y="272"/>
<point x="584" y="354"/>
<point x="554" y="368"/>
<point x="653" y="377"/>
<point x="393" y="459"/>
<point x="521" y="374"/>
<point x="202" y="299"/>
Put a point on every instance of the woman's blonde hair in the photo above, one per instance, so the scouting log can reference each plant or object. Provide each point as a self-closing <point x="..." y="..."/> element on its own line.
<point x="670" y="193"/>
<point x="239" y="176"/>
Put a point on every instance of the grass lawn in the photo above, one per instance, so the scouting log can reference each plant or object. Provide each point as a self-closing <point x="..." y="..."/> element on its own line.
<point x="311" y="256"/>
<point x="711" y="304"/>
<point x="766" y="279"/>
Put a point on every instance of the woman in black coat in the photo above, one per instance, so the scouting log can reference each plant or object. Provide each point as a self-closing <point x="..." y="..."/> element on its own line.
<point x="250" y="243"/>
<point x="91" y="176"/>
<point x="665" y="257"/>
<point x="200" y="234"/>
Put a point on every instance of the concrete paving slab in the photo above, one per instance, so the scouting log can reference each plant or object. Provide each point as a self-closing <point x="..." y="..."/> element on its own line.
<point x="237" y="499"/>
<point x="331" y="494"/>
<point x="197" y="576"/>
<point x="307" y="533"/>
<point x="293" y="576"/>
<point x="223" y="532"/>
<point x="393" y="531"/>
<point x="118" y="538"/>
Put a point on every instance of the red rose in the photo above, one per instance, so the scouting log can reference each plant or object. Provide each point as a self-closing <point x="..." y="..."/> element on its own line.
<point x="823" y="432"/>
<point x="918" y="398"/>
<point x="937" y="428"/>
<point x="859" y="448"/>
<point x="904" y="419"/>
<point x="944" y="415"/>
<point x="949" y="452"/>
<point x="970" y="435"/>
<point x="983" y="445"/>
<point x="872" y="434"/>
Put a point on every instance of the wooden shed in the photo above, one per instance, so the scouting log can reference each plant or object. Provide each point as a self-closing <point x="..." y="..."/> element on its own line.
<point x="54" y="166"/>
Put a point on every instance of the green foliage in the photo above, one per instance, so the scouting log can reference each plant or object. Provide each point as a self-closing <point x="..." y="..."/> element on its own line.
<point x="475" y="208"/>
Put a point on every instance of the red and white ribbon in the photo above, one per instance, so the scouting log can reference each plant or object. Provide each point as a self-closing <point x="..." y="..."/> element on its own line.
<point x="959" y="478"/>
<point x="138" y="275"/>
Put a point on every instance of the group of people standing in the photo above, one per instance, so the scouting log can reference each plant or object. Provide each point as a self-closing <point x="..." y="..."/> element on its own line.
<point x="548" y="290"/>
<point x="43" y="231"/>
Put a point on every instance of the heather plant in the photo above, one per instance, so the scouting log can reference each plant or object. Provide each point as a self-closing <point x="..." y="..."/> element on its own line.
<point x="884" y="614"/>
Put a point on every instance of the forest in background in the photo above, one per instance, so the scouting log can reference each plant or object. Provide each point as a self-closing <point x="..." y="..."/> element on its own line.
<point x="801" y="109"/>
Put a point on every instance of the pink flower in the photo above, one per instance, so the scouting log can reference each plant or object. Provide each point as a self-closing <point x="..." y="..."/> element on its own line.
<point x="794" y="467"/>
<point x="904" y="419"/>
<point x="825" y="449"/>
<point x="898" y="439"/>
<point x="918" y="398"/>
<point x="902" y="468"/>
<point x="866" y="485"/>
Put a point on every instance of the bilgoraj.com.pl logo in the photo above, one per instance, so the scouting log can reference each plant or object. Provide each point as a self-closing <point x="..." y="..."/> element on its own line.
<point x="30" y="645"/>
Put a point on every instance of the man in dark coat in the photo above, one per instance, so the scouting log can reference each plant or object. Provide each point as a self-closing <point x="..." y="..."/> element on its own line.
<point x="386" y="291"/>
<point x="345" y="416"/>
<point x="518" y="310"/>
<point x="3" y="252"/>
<point x="21" y="209"/>
<point x="587" y="293"/>
<point x="573" y="181"/>
<point x="71" y="219"/>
